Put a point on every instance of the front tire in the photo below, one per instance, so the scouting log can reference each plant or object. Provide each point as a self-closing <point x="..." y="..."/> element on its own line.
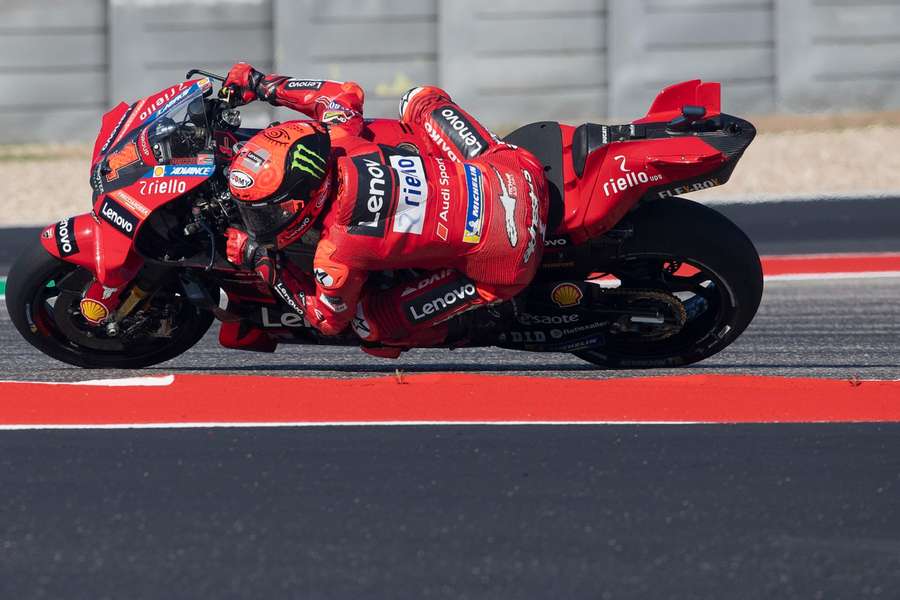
<point x="677" y="231"/>
<point x="38" y="281"/>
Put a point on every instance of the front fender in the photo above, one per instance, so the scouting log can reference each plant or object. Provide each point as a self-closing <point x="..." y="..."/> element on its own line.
<point x="83" y="241"/>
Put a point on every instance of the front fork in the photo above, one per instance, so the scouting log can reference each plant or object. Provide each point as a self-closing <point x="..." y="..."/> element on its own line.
<point x="122" y="281"/>
<point x="106" y="307"/>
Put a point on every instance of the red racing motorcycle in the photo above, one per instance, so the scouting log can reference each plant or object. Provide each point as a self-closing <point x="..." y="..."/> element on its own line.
<point x="633" y="276"/>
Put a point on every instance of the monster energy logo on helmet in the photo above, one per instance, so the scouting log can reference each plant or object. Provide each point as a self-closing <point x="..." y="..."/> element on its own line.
<point x="304" y="159"/>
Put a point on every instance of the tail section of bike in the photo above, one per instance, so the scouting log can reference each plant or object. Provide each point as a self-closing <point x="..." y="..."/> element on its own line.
<point x="598" y="173"/>
<point x="634" y="276"/>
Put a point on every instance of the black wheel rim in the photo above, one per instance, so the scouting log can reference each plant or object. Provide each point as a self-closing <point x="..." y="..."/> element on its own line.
<point x="53" y="313"/>
<point x="709" y="302"/>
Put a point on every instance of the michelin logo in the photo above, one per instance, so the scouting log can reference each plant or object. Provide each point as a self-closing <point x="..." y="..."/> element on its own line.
<point x="475" y="206"/>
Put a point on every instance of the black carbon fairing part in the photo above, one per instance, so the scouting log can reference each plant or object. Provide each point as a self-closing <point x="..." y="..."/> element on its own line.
<point x="544" y="140"/>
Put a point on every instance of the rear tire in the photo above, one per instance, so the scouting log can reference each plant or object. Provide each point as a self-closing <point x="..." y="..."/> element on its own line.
<point x="698" y="235"/>
<point x="30" y="286"/>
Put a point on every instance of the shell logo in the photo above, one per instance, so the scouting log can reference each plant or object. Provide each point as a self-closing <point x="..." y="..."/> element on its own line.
<point x="159" y="171"/>
<point x="566" y="295"/>
<point x="93" y="311"/>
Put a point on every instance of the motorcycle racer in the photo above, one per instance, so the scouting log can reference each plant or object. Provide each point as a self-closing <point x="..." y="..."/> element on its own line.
<point x="448" y="198"/>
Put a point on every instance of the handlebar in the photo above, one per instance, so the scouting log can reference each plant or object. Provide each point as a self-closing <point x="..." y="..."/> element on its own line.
<point x="193" y="72"/>
<point x="226" y="94"/>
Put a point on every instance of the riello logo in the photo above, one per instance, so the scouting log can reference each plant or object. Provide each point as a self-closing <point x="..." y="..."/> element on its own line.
<point x="628" y="180"/>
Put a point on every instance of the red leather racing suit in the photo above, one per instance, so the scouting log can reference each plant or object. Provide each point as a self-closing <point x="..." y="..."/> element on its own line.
<point x="447" y="197"/>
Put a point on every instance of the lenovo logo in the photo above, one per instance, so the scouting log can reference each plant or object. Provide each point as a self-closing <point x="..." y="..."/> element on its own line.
<point x="115" y="214"/>
<point x="441" y="300"/>
<point x="375" y="190"/>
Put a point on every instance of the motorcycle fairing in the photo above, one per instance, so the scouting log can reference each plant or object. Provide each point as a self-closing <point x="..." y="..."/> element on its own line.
<point x="670" y="101"/>
<point x="128" y="187"/>
<point x="597" y="173"/>
<point x="114" y="264"/>
<point x="110" y="127"/>
<point x="123" y="119"/>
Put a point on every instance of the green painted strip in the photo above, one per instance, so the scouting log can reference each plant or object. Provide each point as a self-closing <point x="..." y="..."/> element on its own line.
<point x="2" y="287"/>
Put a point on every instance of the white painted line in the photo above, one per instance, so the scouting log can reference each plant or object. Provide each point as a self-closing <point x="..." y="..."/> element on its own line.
<point x="160" y="381"/>
<point x="831" y="276"/>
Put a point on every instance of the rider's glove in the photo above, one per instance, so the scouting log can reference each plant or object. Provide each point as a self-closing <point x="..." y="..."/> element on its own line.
<point x="243" y="80"/>
<point x="241" y="250"/>
<point x="237" y="245"/>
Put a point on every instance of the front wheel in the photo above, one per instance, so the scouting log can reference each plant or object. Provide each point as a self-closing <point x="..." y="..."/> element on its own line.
<point x="43" y="295"/>
<point x="708" y="268"/>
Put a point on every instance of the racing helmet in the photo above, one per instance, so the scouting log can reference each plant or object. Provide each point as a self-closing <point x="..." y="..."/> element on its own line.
<point x="281" y="180"/>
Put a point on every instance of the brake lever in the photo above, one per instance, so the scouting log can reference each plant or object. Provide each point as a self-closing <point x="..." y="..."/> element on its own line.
<point x="193" y="72"/>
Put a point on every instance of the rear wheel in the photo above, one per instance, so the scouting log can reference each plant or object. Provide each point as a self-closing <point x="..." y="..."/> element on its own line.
<point x="704" y="264"/>
<point x="43" y="295"/>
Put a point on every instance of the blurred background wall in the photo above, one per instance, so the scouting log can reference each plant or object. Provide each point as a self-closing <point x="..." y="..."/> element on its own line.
<point x="65" y="62"/>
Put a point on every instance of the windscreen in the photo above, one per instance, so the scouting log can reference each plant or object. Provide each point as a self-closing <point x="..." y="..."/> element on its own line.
<point x="167" y="128"/>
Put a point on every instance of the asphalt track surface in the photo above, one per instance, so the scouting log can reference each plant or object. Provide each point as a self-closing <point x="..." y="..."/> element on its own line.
<point x="621" y="511"/>
<point x="838" y="329"/>
<point x="749" y="511"/>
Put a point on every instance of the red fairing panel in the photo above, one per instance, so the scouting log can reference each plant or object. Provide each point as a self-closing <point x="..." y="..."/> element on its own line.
<point x="144" y="109"/>
<point x="120" y="214"/>
<point x="83" y="241"/>
<point x="160" y="185"/>
<point x="110" y="127"/>
<point x="625" y="171"/>
<point x="668" y="103"/>
<point x="617" y="175"/>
